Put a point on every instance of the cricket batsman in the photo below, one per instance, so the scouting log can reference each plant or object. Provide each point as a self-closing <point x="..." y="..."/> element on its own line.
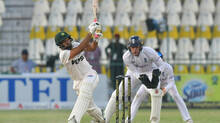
<point x="139" y="61"/>
<point x="85" y="78"/>
<point x="167" y="84"/>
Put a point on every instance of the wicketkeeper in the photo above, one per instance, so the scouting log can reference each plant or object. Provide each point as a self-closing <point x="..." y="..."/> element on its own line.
<point x="140" y="61"/>
<point x="167" y="84"/>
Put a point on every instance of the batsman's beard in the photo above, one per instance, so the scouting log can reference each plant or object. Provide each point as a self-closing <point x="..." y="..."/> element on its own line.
<point x="69" y="47"/>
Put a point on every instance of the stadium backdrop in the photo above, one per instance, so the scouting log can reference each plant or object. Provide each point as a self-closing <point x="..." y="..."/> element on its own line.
<point x="54" y="91"/>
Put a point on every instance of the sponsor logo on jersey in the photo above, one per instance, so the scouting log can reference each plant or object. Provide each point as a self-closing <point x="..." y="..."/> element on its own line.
<point x="194" y="91"/>
<point x="145" y="59"/>
<point x="77" y="60"/>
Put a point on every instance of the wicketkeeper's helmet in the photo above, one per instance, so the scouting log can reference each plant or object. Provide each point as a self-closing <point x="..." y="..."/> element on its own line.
<point x="60" y="37"/>
<point x="134" y="41"/>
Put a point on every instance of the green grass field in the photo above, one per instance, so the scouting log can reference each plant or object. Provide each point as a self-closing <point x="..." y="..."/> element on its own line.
<point x="60" y="116"/>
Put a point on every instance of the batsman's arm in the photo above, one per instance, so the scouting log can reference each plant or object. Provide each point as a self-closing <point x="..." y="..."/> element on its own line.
<point x="91" y="46"/>
<point x="81" y="47"/>
<point x="92" y="28"/>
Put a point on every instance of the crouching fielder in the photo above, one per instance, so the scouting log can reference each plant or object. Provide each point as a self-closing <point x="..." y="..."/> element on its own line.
<point x="85" y="78"/>
<point x="138" y="60"/>
<point x="168" y="85"/>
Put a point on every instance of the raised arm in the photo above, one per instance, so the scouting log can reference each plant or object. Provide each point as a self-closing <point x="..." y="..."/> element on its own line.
<point x="92" y="46"/>
<point x="81" y="47"/>
<point x="85" y="43"/>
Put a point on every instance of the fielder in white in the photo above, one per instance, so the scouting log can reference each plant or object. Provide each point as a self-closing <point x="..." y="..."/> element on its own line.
<point x="85" y="78"/>
<point x="167" y="84"/>
<point x="139" y="60"/>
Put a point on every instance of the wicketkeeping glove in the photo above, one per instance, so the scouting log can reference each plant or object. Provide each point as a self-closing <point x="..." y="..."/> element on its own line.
<point x="145" y="80"/>
<point x="155" y="78"/>
<point x="156" y="72"/>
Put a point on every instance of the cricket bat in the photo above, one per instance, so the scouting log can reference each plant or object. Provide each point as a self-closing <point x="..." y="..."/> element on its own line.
<point x="95" y="9"/>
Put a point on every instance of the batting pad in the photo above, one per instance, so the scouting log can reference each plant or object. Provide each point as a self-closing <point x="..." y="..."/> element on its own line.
<point x="110" y="108"/>
<point x="83" y="100"/>
<point x="156" y="102"/>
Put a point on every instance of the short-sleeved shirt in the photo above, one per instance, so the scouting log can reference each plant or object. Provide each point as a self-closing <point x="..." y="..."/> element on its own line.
<point x="77" y="67"/>
<point x="22" y="66"/>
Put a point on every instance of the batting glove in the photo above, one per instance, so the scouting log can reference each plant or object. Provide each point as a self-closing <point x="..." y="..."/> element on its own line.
<point x="98" y="36"/>
<point x="94" y="26"/>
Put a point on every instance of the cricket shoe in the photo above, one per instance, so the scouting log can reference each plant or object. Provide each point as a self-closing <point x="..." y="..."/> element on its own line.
<point x="189" y="121"/>
<point x="102" y="121"/>
<point x="94" y="121"/>
<point x="72" y="120"/>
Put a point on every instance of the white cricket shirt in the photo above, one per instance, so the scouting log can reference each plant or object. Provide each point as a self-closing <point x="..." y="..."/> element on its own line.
<point x="77" y="67"/>
<point x="144" y="62"/>
<point x="167" y="77"/>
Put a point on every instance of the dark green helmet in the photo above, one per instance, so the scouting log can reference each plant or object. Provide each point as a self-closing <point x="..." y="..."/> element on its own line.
<point x="60" y="37"/>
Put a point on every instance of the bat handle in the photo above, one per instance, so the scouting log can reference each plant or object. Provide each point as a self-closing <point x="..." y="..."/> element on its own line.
<point x="95" y="20"/>
<point x="97" y="31"/>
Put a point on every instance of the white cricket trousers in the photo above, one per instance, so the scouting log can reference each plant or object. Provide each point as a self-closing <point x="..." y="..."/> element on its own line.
<point x="84" y="102"/>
